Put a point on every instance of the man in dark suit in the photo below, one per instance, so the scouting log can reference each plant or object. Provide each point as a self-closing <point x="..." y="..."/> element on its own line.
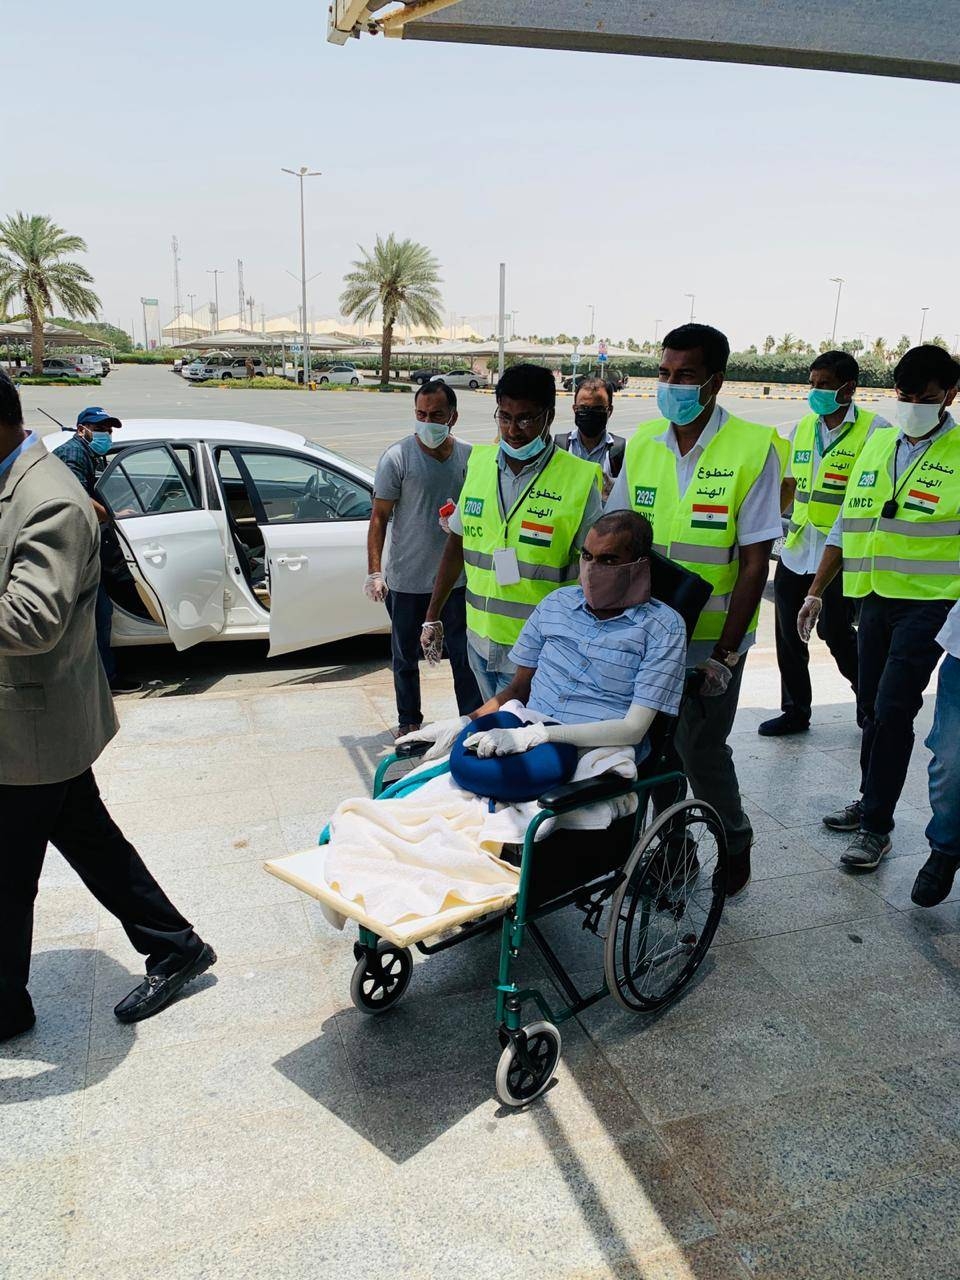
<point x="590" y="439"/>
<point x="56" y="717"/>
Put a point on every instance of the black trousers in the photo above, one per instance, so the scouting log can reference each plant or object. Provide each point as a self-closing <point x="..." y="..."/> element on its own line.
<point x="72" y="817"/>
<point x="898" y="653"/>
<point x="834" y="626"/>
<point x="407" y="613"/>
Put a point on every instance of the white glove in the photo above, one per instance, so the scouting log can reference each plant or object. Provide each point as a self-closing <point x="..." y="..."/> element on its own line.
<point x="807" y="617"/>
<point x="507" y="742"/>
<point x="375" y="587"/>
<point x="716" y="677"/>
<point x="431" y="642"/>
<point x="442" y="734"/>
<point x="444" y="521"/>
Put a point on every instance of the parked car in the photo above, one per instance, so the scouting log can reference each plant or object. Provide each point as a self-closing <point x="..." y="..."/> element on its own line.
<point x="92" y="365"/>
<point x="223" y="367"/>
<point x="617" y="380"/>
<point x="233" y="531"/>
<point x="424" y="375"/>
<point x="460" y="378"/>
<point x="64" y="367"/>
<point x="105" y="365"/>
<point x="342" y="372"/>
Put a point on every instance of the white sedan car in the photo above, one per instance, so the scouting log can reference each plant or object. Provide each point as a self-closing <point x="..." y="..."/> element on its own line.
<point x="232" y="531"/>
<point x="460" y="378"/>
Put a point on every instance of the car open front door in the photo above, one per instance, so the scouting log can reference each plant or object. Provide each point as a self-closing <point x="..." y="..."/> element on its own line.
<point x="172" y="545"/>
<point x="314" y="520"/>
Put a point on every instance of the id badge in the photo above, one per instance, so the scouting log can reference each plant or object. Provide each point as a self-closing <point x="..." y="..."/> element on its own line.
<point x="505" y="567"/>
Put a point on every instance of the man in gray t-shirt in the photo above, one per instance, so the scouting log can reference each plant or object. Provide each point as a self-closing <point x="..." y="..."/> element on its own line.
<point x="415" y="478"/>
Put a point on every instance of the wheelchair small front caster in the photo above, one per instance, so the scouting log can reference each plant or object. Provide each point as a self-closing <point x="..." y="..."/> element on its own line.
<point x="381" y="978"/>
<point x="527" y="1064"/>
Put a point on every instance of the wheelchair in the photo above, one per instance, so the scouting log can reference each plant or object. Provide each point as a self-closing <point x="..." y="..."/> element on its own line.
<point x="653" y="891"/>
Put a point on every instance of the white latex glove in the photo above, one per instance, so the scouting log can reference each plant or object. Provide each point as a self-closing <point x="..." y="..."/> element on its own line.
<point x="507" y="742"/>
<point x="442" y="734"/>
<point x="444" y="521"/>
<point x="431" y="642"/>
<point x="716" y="677"/>
<point x="807" y="617"/>
<point x="375" y="587"/>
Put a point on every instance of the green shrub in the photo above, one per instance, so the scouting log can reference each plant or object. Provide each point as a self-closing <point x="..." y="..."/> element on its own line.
<point x="28" y="380"/>
<point x="285" y="384"/>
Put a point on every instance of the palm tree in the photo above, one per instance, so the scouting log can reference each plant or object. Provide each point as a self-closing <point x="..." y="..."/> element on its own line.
<point x="769" y="343"/>
<point x="400" y="277"/>
<point x="32" y="268"/>
<point x="879" y="349"/>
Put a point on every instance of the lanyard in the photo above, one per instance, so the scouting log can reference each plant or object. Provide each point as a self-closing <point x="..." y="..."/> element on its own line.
<point x="507" y="516"/>
<point x="842" y="436"/>
<point x="892" y="504"/>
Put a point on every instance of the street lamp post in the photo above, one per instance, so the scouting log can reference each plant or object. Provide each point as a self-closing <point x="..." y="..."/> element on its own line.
<point x="923" y="322"/>
<point x="693" y="298"/>
<point x="838" y="281"/>
<point x="216" y="298"/>
<point x="301" y="173"/>
<point x="593" y="313"/>
<point x="656" y="331"/>
<point x="193" y="322"/>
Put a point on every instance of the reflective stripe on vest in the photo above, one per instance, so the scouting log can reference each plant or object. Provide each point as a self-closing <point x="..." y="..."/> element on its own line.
<point x="699" y="530"/>
<point x="818" y="495"/>
<point x="913" y="555"/>
<point x="540" y="529"/>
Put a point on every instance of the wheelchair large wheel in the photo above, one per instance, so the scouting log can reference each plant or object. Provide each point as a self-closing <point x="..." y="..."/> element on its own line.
<point x="665" y="912"/>
<point x="527" y="1064"/>
<point x="380" y="978"/>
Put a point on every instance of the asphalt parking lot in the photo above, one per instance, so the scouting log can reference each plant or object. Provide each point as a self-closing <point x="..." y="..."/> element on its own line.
<point x="358" y="424"/>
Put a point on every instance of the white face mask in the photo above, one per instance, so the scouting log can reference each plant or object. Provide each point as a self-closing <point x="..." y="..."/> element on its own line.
<point x="433" y="434"/>
<point x="915" y="420"/>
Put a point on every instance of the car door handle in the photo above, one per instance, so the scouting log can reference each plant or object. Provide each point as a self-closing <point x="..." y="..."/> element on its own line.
<point x="155" y="553"/>
<point x="292" y="562"/>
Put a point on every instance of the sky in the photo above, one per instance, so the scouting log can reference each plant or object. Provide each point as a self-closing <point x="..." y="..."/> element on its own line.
<point x="619" y="182"/>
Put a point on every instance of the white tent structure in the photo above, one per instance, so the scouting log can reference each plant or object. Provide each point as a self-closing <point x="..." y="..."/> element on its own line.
<point x="54" y="335"/>
<point x="237" y="340"/>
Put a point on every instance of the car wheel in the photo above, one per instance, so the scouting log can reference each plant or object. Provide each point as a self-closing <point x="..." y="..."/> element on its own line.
<point x="354" y="382"/>
<point x="225" y="376"/>
<point x="259" y="373"/>
<point x="323" y="380"/>
<point x="474" y="384"/>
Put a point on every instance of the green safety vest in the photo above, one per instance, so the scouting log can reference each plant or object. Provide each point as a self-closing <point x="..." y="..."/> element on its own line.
<point x="699" y="530"/>
<point x="540" y="527"/>
<point x="782" y="446"/>
<point x="914" y="554"/>
<point x="818" y="497"/>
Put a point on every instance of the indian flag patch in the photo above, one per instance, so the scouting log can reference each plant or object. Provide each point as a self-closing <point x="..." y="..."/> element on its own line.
<point x="709" y="517"/>
<point x="834" y="480"/>
<point x="538" y="535"/>
<point x="920" y="500"/>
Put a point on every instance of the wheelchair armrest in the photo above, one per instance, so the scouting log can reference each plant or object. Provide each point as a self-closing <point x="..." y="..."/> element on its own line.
<point x="574" y="795"/>
<point x="412" y="750"/>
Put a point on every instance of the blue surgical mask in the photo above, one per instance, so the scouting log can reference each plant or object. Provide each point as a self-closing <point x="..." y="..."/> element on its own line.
<point x="823" y="402"/>
<point x="678" y="403"/>
<point x="100" y="442"/>
<point x="432" y="434"/>
<point x="526" y="451"/>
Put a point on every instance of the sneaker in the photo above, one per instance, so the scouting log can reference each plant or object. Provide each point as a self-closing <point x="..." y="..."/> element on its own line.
<point x="934" y="880"/>
<point x="119" y="684"/>
<point x="847" y="819"/>
<point x="154" y="992"/>
<point x="865" y="850"/>
<point x="780" y="726"/>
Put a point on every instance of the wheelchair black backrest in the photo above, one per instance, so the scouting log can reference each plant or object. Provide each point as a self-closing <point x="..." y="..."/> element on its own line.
<point x="680" y="588"/>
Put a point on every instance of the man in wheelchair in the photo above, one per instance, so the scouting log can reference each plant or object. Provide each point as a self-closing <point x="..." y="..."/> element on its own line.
<point x="598" y="660"/>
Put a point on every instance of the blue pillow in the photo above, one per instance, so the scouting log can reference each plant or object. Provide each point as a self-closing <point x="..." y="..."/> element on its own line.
<point x="510" y="779"/>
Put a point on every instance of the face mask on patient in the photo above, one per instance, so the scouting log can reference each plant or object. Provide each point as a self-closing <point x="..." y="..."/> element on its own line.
<point x="615" y="586"/>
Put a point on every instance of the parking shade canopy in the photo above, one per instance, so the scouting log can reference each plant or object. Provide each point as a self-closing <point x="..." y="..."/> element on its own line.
<point x="920" y="40"/>
<point x="237" y="341"/>
<point x="54" y="335"/>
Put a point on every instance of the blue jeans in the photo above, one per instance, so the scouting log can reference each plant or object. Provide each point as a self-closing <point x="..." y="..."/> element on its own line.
<point x="943" y="831"/>
<point x="488" y="682"/>
<point x="104" y="616"/>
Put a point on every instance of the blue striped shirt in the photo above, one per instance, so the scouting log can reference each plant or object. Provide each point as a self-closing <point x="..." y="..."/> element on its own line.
<point x="590" y="669"/>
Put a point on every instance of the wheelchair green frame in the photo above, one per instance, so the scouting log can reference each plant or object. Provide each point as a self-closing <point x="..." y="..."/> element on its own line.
<point x="520" y="920"/>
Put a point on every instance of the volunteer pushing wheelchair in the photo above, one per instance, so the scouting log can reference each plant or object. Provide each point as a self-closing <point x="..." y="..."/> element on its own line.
<point x="578" y="741"/>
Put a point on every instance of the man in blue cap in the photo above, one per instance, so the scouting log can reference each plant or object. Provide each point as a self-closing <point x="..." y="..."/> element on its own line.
<point x="85" y="455"/>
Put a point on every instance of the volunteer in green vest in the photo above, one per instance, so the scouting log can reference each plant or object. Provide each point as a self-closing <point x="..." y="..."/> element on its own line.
<point x="899" y="530"/>
<point x="824" y="447"/>
<point x="710" y="483"/>
<point x="524" y="512"/>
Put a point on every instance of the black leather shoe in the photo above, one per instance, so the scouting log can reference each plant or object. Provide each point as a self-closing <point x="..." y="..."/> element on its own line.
<point x="16" y="1024"/>
<point x="934" y="880"/>
<point x="738" y="872"/>
<point x="780" y="726"/>
<point x="154" y="992"/>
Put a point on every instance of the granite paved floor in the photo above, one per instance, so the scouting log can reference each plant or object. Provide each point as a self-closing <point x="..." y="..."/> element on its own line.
<point x="794" y="1116"/>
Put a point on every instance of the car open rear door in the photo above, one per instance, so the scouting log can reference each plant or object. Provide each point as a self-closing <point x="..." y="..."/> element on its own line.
<point x="173" y="547"/>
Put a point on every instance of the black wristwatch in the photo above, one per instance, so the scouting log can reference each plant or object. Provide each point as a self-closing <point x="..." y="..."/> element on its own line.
<point x="729" y="657"/>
